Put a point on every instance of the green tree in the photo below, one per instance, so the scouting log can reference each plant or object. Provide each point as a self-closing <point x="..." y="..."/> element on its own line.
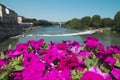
<point x="107" y="22"/>
<point x="37" y="22"/>
<point x="86" y="22"/>
<point x="74" y="23"/>
<point x="116" y="26"/>
<point x="96" y="21"/>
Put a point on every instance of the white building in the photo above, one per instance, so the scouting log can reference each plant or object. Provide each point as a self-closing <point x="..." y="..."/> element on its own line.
<point x="7" y="15"/>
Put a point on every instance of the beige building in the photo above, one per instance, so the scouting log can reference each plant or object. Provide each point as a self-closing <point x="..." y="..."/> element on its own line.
<point x="7" y="15"/>
<point x="20" y="19"/>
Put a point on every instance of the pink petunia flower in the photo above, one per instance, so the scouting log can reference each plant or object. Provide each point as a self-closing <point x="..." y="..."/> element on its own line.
<point x="91" y="76"/>
<point x="106" y="76"/>
<point x="84" y="54"/>
<point x="2" y="63"/>
<point x="36" y="44"/>
<point x="92" y="42"/>
<point x="116" y="73"/>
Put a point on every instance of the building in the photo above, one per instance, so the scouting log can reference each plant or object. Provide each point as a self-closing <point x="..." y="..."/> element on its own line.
<point x="7" y="15"/>
<point x="20" y="19"/>
<point x="24" y="24"/>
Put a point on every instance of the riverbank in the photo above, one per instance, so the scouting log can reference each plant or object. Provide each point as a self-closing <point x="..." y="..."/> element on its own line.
<point x="26" y="30"/>
<point x="31" y="28"/>
<point x="103" y="29"/>
<point x="96" y="30"/>
<point x="9" y="29"/>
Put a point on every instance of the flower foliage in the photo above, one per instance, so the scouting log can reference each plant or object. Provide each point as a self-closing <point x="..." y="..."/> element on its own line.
<point x="67" y="60"/>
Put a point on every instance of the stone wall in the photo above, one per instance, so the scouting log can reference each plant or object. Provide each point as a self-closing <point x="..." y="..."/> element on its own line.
<point x="8" y="30"/>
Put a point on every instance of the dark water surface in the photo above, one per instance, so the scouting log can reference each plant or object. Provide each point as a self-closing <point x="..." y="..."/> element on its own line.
<point x="106" y="38"/>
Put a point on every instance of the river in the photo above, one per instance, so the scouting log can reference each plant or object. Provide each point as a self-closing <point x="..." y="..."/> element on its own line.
<point x="106" y="38"/>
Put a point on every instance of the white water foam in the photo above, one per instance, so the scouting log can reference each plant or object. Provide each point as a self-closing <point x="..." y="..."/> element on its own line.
<point x="52" y="35"/>
<point x="71" y="34"/>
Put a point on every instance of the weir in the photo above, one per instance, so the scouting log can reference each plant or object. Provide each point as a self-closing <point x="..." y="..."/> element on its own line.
<point x="53" y="35"/>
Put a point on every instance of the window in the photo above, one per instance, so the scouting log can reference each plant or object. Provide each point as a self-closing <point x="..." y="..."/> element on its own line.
<point x="7" y="10"/>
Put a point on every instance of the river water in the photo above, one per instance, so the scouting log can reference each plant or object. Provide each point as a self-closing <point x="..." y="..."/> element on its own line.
<point x="106" y="38"/>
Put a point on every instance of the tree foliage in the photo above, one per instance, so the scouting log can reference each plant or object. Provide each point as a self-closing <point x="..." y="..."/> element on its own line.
<point x="107" y="22"/>
<point x="37" y="22"/>
<point x="74" y="23"/>
<point x="116" y="22"/>
<point x="96" y="21"/>
<point x="86" y="22"/>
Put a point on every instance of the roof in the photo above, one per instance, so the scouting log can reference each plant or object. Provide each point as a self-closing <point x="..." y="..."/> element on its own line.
<point x="7" y="8"/>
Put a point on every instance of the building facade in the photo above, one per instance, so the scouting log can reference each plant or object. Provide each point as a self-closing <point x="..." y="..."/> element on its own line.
<point x="20" y="19"/>
<point x="7" y="15"/>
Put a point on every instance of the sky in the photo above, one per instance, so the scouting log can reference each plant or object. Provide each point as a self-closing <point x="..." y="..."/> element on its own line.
<point x="63" y="10"/>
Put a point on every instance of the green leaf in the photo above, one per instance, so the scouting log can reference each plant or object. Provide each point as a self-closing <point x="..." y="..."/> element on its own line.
<point x="91" y="62"/>
<point x="116" y="55"/>
<point x="15" y="64"/>
<point x="86" y="48"/>
<point x="96" y="49"/>
<point x="80" y="58"/>
<point x="93" y="57"/>
<point x="76" y="75"/>
<point x="117" y="64"/>
<point x="18" y="68"/>
<point x="104" y="69"/>
<point x="3" y="74"/>
<point x="3" y="56"/>
<point x="45" y="45"/>
<point x="30" y="49"/>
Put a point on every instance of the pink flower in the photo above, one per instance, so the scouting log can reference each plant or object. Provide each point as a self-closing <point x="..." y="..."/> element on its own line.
<point x="115" y="49"/>
<point x="65" y="75"/>
<point x="36" y="44"/>
<point x="2" y="63"/>
<point x="62" y="46"/>
<point x="61" y="53"/>
<point x="22" y="47"/>
<point x="112" y="50"/>
<point x="50" y="56"/>
<point x="80" y="68"/>
<point x="84" y="54"/>
<point x="101" y="47"/>
<point x="58" y="75"/>
<point x="91" y="76"/>
<point x="34" y="72"/>
<point x="12" y="53"/>
<point x="17" y="75"/>
<point x="110" y="60"/>
<point x="40" y="42"/>
<point x="58" y="60"/>
<point x="29" y="58"/>
<point x="74" y="47"/>
<point x="92" y="42"/>
<point x="116" y="73"/>
<point x="68" y="62"/>
<point x="98" y="71"/>
<point x="53" y="75"/>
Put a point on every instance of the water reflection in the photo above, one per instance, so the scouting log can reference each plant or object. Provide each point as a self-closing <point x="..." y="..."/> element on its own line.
<point x="115" y="38"/>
